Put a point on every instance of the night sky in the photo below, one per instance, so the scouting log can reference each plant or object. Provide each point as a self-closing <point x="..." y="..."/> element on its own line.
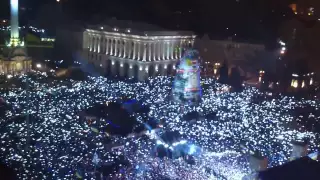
<point x="255" y="20"/>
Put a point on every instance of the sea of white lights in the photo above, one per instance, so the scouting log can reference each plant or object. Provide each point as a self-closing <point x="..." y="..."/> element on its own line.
<point x="62" y="146"/>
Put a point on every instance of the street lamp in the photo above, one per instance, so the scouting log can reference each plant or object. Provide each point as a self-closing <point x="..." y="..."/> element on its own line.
<point x="38" y="65"/>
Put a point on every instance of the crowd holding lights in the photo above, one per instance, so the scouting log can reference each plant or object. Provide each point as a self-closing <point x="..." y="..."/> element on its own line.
<point x="62" y="146"/>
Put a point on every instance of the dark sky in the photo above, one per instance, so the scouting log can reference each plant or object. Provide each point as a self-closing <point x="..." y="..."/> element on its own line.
<point x="254" y="19"/>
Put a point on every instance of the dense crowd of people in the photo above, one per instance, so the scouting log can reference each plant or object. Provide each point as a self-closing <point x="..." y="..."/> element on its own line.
<point x="43" y="136"/>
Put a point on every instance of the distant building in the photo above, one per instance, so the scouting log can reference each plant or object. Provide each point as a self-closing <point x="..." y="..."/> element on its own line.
<point x="215" y="52"/>
<point x="134" y="50"/>
<point x="15" y="62"/>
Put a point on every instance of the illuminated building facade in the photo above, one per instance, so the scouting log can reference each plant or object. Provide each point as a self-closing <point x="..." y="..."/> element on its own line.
<point x="16" y="65"/>
<point x="302" y="81"/>
<point x="123" y="51"/>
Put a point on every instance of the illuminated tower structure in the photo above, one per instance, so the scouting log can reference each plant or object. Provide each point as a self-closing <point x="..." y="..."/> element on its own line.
<point x="187" y="88"/>
<point x="14" y="59"/>
<point x="15" y="38"/>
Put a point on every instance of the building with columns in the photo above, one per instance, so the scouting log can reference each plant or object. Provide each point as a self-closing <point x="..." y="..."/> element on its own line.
<point x="126" y="51"/>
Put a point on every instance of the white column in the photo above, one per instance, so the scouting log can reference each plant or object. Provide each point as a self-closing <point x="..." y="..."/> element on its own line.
<point x="125" y="48"/>
<point x="159" y="50"/>
<point x="130" y="49"/>
<point x="14" y="7"/>
<point x="111" y="45"/>
<point x="171" y="50"/>
<point x="107" y="46"/>
<point x="99" y="44"/>
<point x="120" y="48"/>
<point x="95" y="44"/>
<point x="116" y="48"/>
<point x="175" y="50"/>
<point x="163" y="52"/>
<point x="123" y="42"/>
<point x="90" y="42"/>
<point x="154" y="50"/>
<point x="144" y="51"/>
<point x="134" y="50"/>
<point x="139" y="50"/>
<point x="150" y="52"/>
<point x="168" y="50"/>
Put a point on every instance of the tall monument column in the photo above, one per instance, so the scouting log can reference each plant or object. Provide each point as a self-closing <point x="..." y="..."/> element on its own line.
<point x="14" y="39"/>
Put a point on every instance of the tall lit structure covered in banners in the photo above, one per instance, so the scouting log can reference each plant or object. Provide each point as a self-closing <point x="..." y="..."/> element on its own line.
<point x="187" y="88"/>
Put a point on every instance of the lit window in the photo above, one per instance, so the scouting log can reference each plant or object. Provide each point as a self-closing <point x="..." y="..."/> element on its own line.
<point x="311" y="81"/>
<point x="294" y="83"/>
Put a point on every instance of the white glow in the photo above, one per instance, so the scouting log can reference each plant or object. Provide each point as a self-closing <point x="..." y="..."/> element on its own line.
<point x="282" y="43"/>
<point x="14" y="4"/>
<point x="38" y="65"/>
<point x="294" y="83"/>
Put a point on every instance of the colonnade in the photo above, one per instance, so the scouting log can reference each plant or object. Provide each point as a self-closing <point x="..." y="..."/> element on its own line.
<point x="138" y="49"/>
<point x="15" y="67"/>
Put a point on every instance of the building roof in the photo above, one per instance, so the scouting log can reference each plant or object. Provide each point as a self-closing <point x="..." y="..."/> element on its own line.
<point x="137" y="28"/>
